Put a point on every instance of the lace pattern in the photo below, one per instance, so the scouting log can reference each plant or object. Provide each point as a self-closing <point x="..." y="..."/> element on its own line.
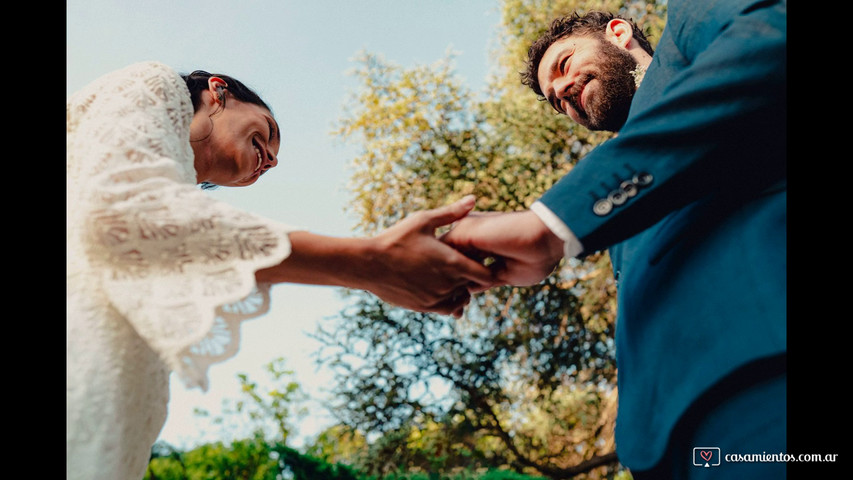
<point x="223" y="337"/>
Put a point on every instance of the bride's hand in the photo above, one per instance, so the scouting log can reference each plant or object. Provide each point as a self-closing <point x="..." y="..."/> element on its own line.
<point x="412" y="268"/>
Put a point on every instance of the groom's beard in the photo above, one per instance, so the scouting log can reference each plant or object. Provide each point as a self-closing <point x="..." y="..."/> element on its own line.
<point x="608" y="110"/>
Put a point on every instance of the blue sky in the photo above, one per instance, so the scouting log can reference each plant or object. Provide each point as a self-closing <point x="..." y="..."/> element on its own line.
<point x="298" y="56"/>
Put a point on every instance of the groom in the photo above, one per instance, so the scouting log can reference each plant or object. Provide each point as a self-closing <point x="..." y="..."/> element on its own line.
<point x="690" y="201"/>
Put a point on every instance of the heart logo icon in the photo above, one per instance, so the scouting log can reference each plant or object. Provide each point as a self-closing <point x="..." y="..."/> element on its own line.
<point x="706" y="454"/>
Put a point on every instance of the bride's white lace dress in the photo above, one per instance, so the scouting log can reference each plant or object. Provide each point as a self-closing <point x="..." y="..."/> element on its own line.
<point x="159" y="274"/>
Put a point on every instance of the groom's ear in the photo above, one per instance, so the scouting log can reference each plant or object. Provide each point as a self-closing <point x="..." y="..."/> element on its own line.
<point x="619" y="32"/>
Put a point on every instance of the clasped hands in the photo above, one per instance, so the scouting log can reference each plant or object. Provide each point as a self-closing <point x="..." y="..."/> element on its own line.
<point x="420" y="271"/>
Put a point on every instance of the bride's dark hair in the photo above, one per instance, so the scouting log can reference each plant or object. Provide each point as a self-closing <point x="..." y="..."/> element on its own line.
<point x="197" y="83"/>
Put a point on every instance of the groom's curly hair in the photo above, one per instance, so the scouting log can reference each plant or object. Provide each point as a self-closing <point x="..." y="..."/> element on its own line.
<point x="591" y="24"/>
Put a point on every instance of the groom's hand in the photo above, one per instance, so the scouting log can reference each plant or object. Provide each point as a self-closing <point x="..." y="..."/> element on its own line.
<point x="412" y="268"/>
<point x="524" y="249"/>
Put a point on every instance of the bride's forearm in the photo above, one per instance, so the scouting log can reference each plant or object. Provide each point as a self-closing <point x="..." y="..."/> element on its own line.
<point x="405" y="265"/>
<point x="321" y="260"/>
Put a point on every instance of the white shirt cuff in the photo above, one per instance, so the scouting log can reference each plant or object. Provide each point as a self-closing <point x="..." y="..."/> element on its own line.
<point x="572" y="247"/>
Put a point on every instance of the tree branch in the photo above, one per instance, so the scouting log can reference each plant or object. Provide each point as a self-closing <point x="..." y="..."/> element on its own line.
<point x="557" y="473"/>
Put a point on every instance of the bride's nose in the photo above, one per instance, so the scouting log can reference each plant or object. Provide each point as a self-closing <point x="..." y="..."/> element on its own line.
<point x="270" y="162"/>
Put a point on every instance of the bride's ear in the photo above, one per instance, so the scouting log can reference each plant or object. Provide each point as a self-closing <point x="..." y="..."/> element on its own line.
<point x="217" y="87"/>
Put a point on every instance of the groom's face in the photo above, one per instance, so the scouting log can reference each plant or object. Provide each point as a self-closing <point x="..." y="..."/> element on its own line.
<point x="589" y="79"/>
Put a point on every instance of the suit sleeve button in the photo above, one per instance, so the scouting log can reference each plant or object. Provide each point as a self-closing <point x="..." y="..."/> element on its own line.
<point x="629" y="188"/>
<point x="643" y="179"/>
<point x="602" y="207"/>
<point x="617" y="197"/>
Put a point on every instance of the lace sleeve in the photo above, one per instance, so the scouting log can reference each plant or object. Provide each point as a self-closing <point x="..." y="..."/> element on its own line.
<point x="176" y="263"/>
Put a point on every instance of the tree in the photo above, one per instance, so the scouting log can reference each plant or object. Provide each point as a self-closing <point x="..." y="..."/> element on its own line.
<point x="306" y="467"/>
<point x="255" y="427"/>
<point x="266" y="413"/>
<point x="519" y="354"/>
<point x="338" y="444"/>
<point x="245" y="459"/>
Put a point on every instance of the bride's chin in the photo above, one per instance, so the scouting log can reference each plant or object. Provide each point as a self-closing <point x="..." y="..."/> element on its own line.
<point x="249" y="180"/>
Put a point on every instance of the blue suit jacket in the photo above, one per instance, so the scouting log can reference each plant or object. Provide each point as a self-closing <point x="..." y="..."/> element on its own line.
<point x="690" y="199"/>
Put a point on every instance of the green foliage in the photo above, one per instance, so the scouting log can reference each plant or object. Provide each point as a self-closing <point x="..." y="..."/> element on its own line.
<point x="338" y="444"/>
<point x="424" y="445"/>
<point x="165" y="464"/>
<point x="488" y="475"/>
<point x="257" y="459"/>
<point x="247" y="459"/>
<point x="259" y="412"/>
<point x="306" y="467"/>
<point x="414" y="129"/>
<point x="507" y="475"/>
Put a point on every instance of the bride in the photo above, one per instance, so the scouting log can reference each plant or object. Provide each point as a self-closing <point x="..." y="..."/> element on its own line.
<point x="160" y="275"/>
